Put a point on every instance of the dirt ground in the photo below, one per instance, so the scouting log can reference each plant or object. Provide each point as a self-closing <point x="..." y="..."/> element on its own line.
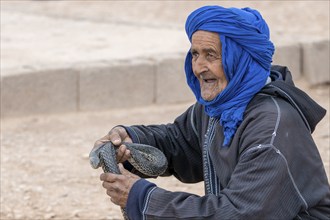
<point x="45" y="171"/>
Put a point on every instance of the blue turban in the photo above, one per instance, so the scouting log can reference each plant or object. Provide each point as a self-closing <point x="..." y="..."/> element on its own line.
<point x="246" y="58"/>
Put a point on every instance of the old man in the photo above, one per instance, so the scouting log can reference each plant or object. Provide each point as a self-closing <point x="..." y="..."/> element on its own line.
<point x="248" y="136"/>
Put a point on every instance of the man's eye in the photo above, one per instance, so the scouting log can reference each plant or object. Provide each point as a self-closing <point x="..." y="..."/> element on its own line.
<point x="211" y="55"/>
<point x="194" y="54"/>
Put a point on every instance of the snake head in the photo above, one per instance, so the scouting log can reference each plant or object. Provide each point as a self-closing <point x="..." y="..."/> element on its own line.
<point x="94" y="157"/>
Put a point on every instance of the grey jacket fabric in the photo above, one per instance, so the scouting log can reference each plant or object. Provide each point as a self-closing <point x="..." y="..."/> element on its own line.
<point x="271" y="170"/>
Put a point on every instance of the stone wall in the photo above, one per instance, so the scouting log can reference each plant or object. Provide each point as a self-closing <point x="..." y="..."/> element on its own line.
<point x="53" y="62"/>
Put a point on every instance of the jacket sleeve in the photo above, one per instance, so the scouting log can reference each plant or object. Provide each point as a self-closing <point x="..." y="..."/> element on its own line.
<point x="178" y="141"/>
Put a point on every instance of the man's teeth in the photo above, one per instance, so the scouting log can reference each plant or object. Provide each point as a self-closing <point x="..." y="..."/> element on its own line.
<point x="209" y="80"/>
<point x="206" y="80"/>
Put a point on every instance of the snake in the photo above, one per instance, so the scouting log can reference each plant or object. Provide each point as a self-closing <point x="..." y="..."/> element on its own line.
<point x="147" y="159"/>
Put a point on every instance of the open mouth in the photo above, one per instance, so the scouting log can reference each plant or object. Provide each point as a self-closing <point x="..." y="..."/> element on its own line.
<point x="209" y="80"/>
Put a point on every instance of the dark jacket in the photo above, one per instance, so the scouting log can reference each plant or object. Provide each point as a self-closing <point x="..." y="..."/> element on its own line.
<point x="271" y="170"/>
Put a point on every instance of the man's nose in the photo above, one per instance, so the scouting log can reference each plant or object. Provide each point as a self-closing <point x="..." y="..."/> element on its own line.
<point x="201" y="65"/>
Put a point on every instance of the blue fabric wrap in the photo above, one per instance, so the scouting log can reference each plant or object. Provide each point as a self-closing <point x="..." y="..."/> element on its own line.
<point x="246" y="59"/>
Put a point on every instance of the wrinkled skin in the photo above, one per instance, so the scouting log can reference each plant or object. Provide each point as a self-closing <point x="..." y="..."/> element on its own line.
<point x="118" y="185"/>
<point x="117" y="136"/>
<point x="207" y="63"/>
<point x="207" y="67"/>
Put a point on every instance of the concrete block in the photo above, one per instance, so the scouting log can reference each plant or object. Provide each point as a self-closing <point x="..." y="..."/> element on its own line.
<point x="48" y="91"/>
<point x="316" y="62"/>
<point x="116" y="85"/>
<point x="290" y="56"/>
<point x="171" y="85"/>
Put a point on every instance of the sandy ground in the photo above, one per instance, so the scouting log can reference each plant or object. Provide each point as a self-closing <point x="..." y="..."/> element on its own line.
<point x="45" y="171"/>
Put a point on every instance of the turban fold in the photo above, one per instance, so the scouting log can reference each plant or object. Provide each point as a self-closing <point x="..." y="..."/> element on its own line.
<point x="246" y="59"/>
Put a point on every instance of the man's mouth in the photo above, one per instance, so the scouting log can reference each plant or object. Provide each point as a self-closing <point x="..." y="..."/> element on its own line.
<point x="207" y="79"/>
<point x="211" y="80"/>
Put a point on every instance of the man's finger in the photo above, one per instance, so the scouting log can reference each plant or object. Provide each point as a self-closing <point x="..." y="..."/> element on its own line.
<point x="128" y="139"/>
<point x="127" y="155"/>
<point x="121" y="153"/>
<point x="115" y="138"/>
<point x="122" y="132"/>
<point x="109" y="177"/>
<point x="123" y="170"/>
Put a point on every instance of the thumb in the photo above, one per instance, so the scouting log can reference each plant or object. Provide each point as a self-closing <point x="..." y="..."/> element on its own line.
<point x="122" y="169"/>
<point x="116" y="141"/>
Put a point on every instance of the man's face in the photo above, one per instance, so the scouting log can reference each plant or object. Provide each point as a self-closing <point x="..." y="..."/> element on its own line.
<point x="207" y="63"/>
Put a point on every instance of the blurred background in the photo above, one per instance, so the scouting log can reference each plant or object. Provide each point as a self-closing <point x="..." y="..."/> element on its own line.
<point x="75" y="44"/>
<point x="71" y="70"/>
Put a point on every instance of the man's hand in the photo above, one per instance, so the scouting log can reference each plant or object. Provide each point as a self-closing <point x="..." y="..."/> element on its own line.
<point x="118" y="186"/>
<point x="117" y="136"/>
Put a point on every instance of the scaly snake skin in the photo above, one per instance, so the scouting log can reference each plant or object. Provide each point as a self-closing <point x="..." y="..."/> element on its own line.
<point x="146" y="159"/>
